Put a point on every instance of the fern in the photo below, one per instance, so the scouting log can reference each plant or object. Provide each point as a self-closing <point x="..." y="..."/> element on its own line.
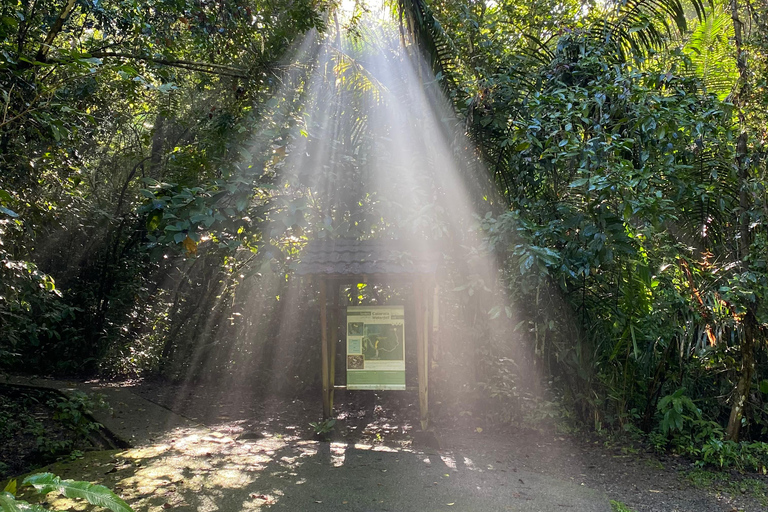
<point x="709" y="51"/>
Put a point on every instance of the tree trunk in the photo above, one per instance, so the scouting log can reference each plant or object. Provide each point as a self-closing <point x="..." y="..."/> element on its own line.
<point x="747" y="346"/>
<point x="747" y="343"/>
<point x="42" y="53"/>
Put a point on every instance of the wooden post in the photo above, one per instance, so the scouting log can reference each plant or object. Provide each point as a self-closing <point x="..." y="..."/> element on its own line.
<point x="324" y="347"/>
<point x="422" y="340"/>
<point x="434" y="320"/>
<point x="333" y="344"/>
<point x="427" y="360"/>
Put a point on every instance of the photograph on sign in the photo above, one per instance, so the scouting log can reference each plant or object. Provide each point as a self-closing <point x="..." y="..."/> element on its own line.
<point x="375" y="347"/>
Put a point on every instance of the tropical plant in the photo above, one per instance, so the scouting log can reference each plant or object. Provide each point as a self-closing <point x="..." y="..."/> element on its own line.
<point x="45" y="483"/>
<point x="323" y="428"/>
<point x="616" y="153"/>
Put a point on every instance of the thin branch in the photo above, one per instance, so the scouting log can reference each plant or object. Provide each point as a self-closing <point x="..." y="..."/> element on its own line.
<point x="127" y="182"/>
<point x="203" y="67"/>
<point x="42" y="53"/>
<point x="163" y="61"/>
<point x="20" y="114"/>
<point x="7" y="104"/>
<point x="25" y="24"/>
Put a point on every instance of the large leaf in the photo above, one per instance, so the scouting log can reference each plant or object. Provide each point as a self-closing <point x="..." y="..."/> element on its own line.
<point x="93" y="494"/>
<point x="9" y="503"/>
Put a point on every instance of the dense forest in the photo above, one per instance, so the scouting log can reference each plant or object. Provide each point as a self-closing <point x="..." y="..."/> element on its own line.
<point x="163" y="164"/>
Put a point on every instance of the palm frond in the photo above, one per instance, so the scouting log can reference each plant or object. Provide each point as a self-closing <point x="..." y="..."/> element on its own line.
<point x="428" y="34"/>
<point x="357" y="78"/>
<point x="638" y="27"/>
<point x="709" y="51"/>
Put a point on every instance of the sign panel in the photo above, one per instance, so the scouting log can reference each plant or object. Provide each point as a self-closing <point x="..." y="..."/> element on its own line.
<point x="375" y="347"/>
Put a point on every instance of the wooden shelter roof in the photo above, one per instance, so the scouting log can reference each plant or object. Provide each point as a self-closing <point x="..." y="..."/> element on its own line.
<point x="345" y="257"/>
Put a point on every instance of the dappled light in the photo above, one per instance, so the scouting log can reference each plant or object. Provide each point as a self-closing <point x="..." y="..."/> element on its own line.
<point x="201" y="469"/>
<point x="384" y="255"/>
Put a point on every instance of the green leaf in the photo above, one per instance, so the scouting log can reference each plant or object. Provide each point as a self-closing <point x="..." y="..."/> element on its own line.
<point x="198" y="217"/>
<point x="8" y="212"/>
<point x="43" y="482"/>
<point x="643" y="272"/>
<point x="523" y="146"/>
<point x="153" y="220"/>
<point x="764" y="386"/>
<point x="5" y="196"/>
<point x="9" y="503"/>
<point x="634" y="342"/>
<point x="10" y="487"/>
<point x="93" y="494"/>
<point x="579" y="182"/>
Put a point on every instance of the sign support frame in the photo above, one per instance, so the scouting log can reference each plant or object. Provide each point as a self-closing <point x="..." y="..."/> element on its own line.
<point x="424" y="307"/>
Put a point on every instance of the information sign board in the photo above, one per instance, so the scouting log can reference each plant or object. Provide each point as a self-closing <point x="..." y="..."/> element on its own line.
<point x="376" y="347"/>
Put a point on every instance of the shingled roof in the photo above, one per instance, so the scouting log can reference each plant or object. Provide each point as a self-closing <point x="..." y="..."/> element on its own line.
<point x="365" y="257"/>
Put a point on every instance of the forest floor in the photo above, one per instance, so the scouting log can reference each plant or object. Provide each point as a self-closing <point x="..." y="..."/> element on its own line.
<point x="199" y="448"/>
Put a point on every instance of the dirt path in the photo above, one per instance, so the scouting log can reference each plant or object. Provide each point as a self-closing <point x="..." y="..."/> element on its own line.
<point x="199" y="449"/>
<point x="644" y="481"/>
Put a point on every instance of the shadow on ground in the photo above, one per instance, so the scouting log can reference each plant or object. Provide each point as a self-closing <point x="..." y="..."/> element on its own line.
<point x="211" y="470"/>
<point x="211" y="450"/>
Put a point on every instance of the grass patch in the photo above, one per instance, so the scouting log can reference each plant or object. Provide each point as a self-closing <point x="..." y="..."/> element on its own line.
<point x="617" y="506"/>
<point x="704" y="478"/>
<point x="726" y="484"/>
<point x="654" y="464"/>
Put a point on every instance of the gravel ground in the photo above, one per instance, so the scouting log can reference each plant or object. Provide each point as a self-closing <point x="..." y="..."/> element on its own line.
<point x="643" y="481"/>
<point x="230" y="450"/>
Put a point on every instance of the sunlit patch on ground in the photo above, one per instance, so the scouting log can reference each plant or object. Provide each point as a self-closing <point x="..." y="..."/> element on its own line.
<point x="338" y="454"/>
<point x="206" y="470"/>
